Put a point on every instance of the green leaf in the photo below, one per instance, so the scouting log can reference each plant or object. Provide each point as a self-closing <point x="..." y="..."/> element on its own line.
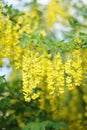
<point x="2" y="79"/>
<point x="5" y="102"/>
<point x="43" y="125"/>
<point x="24" y="40"/>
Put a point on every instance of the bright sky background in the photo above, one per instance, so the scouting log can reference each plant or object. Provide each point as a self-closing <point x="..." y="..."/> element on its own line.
<point x="16" y="2"/>
<point x="5" y="71"/>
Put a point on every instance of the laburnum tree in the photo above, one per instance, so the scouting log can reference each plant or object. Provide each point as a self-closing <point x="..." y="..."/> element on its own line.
<point x="47" y="88"/>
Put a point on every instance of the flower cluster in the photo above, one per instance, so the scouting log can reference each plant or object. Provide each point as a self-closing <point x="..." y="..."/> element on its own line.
<point x="44" y="72"/>
<point x="73" y="70"/>
<point x="46" y="76"/>
<point x="55" y="12"/>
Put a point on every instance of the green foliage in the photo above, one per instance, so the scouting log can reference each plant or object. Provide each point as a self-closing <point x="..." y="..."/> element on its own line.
<point x="45" y="125"/>
<point x="12" y="12"/>
<point x="8" y="119"/>
<point x="2" y="79"/>
<point x="36" y="39"/>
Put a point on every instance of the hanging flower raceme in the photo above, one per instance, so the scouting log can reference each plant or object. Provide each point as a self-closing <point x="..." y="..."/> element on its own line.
<point x="77" y="71"/>
<point x="55" y="74"/>
<point x="73" y="70"/>
<point x="10" y="33"/>
<point x="33" y="73"/>
<point x="1" y="34"/>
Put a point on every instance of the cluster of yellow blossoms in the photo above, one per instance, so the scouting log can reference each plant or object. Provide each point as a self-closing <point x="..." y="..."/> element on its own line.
<point x="40" y="71"/>
<point x="55" y="12"/>
<point x="51" y="73"/>
<point x="46" y="77"/>
<point x="57" y="75"/>
<point x="73" y="69"/>
<point x="10" y="33"/>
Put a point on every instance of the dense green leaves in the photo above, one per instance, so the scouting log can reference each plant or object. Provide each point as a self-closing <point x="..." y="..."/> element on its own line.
<point x="45" y="125"/>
